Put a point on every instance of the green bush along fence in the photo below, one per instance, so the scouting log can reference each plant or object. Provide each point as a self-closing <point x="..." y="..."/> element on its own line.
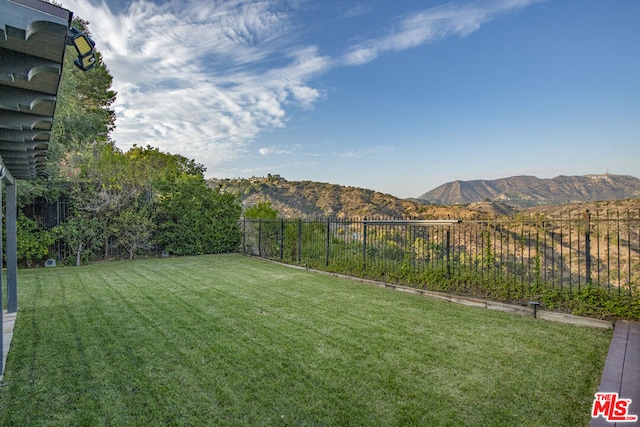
<point x="585" y="263"/>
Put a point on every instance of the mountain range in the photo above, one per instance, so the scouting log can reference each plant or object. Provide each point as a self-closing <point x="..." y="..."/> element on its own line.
<point x="526" y="191"/>
<point x="459" y="199"/>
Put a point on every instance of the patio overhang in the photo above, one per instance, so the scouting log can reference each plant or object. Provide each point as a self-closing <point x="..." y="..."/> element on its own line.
<point x="33" y="37"/>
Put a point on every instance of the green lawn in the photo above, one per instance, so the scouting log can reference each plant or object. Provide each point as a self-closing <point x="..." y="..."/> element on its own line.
<point x="229" y="340"/>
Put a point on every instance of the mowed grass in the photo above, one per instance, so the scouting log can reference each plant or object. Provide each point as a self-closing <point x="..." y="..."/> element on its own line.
<point x="229" y="340"/>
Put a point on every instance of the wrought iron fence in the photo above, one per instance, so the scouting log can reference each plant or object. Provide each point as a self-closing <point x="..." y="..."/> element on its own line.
<point x="568" y="253"/>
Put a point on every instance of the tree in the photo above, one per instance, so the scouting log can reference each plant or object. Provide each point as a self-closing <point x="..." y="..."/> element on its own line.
<point x="269" y="228"/>
<point x="124" y="198"/>
<point x="224" y="210"/>
<point x="33" y="242"/>
<point x="195" y="219"/>
<point x="83" y="118"/>
<point x="262" y="210"/>
<point x="133" y="227"/>
<point x="83" y="122"/>
<point x="81" y="233"/>
<point x="110" y="186"/>
<point x="153" y="165"/>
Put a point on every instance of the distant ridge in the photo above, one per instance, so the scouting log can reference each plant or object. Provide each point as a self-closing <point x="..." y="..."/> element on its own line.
<point x="527" y="191"/>
<point x="466" y="200"/>
<point x="309" y="199"/>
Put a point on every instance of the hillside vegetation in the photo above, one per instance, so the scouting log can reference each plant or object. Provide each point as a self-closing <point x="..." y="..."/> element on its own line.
<point x="309" y="199"/>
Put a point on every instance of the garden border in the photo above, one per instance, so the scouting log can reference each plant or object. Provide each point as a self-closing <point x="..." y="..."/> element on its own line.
<point x="468" y="301"/>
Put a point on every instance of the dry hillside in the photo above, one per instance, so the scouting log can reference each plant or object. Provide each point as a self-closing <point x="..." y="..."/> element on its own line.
<point x="308" y="199"/>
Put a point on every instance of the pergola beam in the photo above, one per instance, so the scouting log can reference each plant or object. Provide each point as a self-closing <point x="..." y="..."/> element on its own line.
<point x="33" y="39"/>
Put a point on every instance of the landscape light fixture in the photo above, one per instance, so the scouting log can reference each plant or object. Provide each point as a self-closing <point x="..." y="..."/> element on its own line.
<point x="84" y="46"/>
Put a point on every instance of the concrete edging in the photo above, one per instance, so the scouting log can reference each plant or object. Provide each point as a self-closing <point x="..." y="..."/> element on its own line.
<point x="469" y="301"/>
<point x="8" y="322"/>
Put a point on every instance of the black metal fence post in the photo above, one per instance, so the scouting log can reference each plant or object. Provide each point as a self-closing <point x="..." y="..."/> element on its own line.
<point x="587" y="247"/>
<point x="260" y="238"/>
<point x="553" y="254"/>
<point x="364" y="245"/>
<point x="244" y="235"/>
<point x="327" y="243"/>
<point x="630" y="250"/>
<point x="299" y="239"/>
<point x="281" y="239"/>
<point x="448" y="249"/>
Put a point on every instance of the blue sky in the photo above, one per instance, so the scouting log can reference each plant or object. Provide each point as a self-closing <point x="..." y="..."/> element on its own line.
<point x="395" y="96"/>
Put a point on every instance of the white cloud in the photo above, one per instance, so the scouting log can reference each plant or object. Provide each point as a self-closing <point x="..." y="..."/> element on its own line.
<point x="451" y="19"/>
<point x="364" y="153"/>
<point x="356" y="10"/>
<point x="203" y="79"/>
<point x="267" y="151"/>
